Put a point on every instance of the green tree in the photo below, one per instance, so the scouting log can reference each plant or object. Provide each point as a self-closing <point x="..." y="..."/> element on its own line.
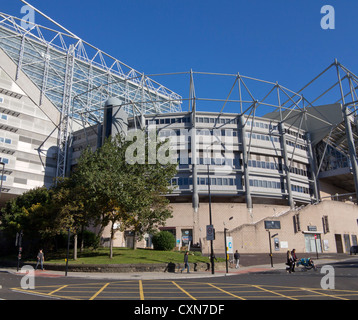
<point x="33" y="212"/>
<point x="131" y="194"/>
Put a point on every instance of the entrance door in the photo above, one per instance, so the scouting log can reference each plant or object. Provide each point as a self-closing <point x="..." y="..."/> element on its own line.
<point x="347" y="243"/>
<point x="311" y="242"/>
<point x="186" y="236"/>
<point x="339" y="243"/>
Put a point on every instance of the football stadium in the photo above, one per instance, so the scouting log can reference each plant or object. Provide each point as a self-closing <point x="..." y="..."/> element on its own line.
<point x="258" y="158"/>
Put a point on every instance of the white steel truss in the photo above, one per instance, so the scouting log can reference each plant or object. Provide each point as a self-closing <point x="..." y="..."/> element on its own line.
<point x="78" y="78"/>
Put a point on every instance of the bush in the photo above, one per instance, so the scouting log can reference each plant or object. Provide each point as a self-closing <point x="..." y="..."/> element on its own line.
<point x="163" y="240"/>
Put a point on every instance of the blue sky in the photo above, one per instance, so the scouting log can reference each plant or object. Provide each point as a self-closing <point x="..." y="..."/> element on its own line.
<point x="274" y="40"/>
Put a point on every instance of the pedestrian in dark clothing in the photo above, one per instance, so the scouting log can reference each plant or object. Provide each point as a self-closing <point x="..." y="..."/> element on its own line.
<point x="237" y="259"/>
<point x="40" y="260"/>
<point x="294" y="259"/>
<point x="186" y="264"/>
<point x="289" y="262"/>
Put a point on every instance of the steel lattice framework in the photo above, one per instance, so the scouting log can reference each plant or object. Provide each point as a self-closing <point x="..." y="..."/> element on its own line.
<point x="78" y="78"/>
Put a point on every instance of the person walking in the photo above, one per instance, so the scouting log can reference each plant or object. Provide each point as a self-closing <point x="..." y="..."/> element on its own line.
<point x="237" y="259"/>
<point x="289" y="262"/>
<point x="186" y="264"/>
<point x="40" y="260"/>
<point x="294" y="259"/>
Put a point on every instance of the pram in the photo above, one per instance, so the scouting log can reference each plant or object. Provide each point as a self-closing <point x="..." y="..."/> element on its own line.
<point x="307" y="264"/>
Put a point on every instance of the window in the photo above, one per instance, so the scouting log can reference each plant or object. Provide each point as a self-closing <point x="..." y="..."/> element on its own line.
<point x="296" y="223"/>
<point x="4" y="160"/>
<point x="1" y="99"/>
<point x="325" y="224"/>
<point x="6" y="140"/>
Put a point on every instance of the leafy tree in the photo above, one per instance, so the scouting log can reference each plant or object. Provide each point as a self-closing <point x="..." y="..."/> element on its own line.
<point x="131" y="194"/>
<point x="34" y="213"/>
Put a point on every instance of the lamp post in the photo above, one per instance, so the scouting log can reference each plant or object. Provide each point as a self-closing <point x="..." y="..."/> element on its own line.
<point x="68" y="251"/>
<point x="226" y="258"/>
<point x="211" y="223"/>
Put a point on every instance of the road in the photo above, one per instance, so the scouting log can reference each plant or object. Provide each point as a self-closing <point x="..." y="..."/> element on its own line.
<point x="268" y="285"/>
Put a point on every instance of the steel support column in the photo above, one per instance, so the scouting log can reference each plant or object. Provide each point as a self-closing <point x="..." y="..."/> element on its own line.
<point x="313" y="167"/>
<point x="351" y="146"/>
<point x="194" y="158"/>
<point x="65" y="115"/>
<point x="245" y="164"/>
<point x="286" y="165"/>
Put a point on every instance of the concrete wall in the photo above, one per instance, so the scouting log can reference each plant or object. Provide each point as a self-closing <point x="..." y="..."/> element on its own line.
<point x="30" y="130"/>
<point x="342" y="220"/>
<point x="248" y="231"/>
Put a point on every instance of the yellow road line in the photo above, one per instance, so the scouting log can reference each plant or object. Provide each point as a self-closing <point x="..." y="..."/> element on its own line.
<point x="58" y="289"/>
<point x="279" y="294"/>
<point x="32" y="292"/>
<point x="227" y="292"/>
<point x="99" y="291"/>
<point x="187" y="293"/>
<point x="141" y="292"/>
<point x="324" y="294"/>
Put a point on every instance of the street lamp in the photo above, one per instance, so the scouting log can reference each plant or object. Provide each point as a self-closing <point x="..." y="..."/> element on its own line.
<point x="211" y="223"/>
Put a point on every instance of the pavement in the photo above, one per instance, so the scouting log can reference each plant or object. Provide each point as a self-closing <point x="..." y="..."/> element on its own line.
<point x="249" y="263"/>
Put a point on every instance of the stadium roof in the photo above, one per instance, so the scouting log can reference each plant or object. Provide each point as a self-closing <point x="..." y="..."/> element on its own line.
<point x="60" y="64"/>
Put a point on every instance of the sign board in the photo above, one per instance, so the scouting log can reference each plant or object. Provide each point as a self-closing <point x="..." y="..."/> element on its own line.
<point x="229" y="244"/>
<point x="312" y="228"/>
<point x="270" y="224"/>
<point x="284" y="244"/>
<point x="210" y="232"/>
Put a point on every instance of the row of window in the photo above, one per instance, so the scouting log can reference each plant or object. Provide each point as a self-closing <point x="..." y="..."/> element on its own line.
<point x="265" y="165"/>
<point x="6" y="140"/>
<point x="300" y="189"/>
<point x="216" y="120"/>
<point x="277" y="185"/>
<point x="298" y="146"/>
<point x="211" y="161"/>
<point x="197" y="119"/>
<point x="296" y="134"/>
<point x="263" y="137"/>
<point x="297" y="224"/>
<point x="262" y="125"/>
<point x="266" y="184"/>
<point x="202" y="132"/>
<point x="276" y="166"/>
<point x="204" y="181"/>
<point x="168" y="121"/>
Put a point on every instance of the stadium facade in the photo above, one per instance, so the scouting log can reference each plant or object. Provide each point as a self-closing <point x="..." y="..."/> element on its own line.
<point x="295" y="163"/>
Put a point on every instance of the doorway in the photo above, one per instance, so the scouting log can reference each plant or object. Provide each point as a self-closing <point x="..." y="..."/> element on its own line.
<point x="339" y="243"/>
<point x="347" y="243"/>
<point x="313" y="242"/>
